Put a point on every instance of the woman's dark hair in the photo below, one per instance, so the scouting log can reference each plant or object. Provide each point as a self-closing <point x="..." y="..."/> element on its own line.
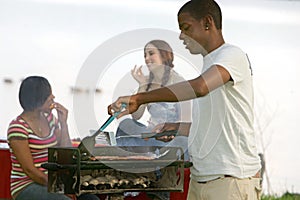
<point x="202" y="8"/>
<point x="33" y="93"/>
<point x="166" y="54"/>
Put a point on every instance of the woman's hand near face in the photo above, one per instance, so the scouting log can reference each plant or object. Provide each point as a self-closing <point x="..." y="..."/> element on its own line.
<point x="62" y="131"/>
<point x="138" y="75"/>
<point x="62" y="113"/>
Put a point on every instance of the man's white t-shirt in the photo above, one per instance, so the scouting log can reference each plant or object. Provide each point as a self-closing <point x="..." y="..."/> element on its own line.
<point x="222" y="139"/>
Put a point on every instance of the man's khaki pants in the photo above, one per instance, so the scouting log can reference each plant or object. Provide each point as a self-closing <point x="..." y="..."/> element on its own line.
<point x="228" y="188"/>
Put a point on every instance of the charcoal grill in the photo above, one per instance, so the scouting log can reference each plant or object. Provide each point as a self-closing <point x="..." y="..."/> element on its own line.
<point x="115" y="169"/>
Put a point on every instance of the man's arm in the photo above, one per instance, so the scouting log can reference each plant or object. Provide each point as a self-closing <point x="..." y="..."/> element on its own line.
<point x="213" y="78"/>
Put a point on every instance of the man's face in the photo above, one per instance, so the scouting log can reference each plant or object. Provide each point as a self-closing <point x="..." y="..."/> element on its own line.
<point x="193" y="33"/>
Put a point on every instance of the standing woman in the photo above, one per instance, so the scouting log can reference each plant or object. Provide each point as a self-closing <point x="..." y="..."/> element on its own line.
<point x="29" y="137"/>
<point x="159" y="59"/>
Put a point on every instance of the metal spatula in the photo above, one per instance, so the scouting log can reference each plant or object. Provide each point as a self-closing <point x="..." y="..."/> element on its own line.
<point x="88" y="143"/>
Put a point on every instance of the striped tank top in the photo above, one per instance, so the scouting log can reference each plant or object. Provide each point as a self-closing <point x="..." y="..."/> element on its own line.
<point x="19" y="129"/>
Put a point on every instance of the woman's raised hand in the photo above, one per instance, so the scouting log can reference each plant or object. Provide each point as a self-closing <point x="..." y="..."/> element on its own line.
<point x="138" y="75"/>
<point x="62" y="112"/>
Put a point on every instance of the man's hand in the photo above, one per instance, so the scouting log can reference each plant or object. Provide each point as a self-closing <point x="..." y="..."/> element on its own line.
<point x="182" y="129"/>
<point x="130" y="102"/>
<point x="166" y="127"/>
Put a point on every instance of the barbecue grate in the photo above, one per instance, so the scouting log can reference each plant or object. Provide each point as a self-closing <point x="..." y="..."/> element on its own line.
<point x="112" y="169"/>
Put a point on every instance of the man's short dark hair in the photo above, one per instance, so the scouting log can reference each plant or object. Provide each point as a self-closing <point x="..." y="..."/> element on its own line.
<point x="33" y="93"/>
<point x="201" y="8"/>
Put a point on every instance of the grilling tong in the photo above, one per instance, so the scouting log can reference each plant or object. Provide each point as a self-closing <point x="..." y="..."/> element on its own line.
<point x="88" y="143"/>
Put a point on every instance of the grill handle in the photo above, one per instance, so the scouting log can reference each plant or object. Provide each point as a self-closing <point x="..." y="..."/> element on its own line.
<point x="56" y="167"/>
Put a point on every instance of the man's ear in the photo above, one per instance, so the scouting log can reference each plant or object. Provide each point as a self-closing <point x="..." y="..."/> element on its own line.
<point x="208" y="22"/>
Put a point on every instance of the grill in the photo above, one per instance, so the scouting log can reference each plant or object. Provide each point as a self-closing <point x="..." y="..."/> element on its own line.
<point x="111" y="169"/>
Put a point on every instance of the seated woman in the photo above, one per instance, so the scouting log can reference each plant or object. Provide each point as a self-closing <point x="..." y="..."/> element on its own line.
<point x="30" y="135"/>
<point x="159" y="60"/>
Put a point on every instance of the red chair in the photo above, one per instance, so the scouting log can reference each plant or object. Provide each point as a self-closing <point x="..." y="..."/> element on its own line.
<point x="182" y="195"/>
<point x="5" y="169"/>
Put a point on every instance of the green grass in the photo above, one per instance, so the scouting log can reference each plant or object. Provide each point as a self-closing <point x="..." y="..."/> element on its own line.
<point x="286" y="196"/>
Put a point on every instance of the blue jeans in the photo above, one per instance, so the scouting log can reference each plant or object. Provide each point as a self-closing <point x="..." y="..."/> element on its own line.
<point x="131" y="127"/>
<point x="36" y="191"/>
